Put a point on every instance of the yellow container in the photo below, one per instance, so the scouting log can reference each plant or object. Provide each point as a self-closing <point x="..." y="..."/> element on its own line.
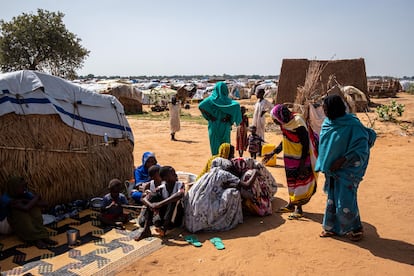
<point x="267" y="148"/>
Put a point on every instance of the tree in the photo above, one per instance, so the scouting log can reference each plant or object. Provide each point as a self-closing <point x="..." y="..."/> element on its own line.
<point x="40" y="42"/>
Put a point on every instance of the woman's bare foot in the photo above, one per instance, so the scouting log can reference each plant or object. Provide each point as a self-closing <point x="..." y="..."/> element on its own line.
<point x="144" y="234"/>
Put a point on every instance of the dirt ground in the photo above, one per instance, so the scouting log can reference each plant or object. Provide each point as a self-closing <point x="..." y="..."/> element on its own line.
<point x="275" y="245"/>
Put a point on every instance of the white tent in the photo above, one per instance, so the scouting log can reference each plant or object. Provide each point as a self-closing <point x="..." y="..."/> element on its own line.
<point x="31" y="92"/>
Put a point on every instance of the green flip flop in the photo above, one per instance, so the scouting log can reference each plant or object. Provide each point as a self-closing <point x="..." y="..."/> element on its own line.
<point x="218" y="243"/>
<point x="193" y="240"/>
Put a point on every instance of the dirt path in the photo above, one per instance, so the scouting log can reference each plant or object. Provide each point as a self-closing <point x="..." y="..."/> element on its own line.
<point x="274" y="245"/>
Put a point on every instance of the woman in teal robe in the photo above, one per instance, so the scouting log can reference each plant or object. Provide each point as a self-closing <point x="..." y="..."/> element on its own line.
<point x="221" y="112"/>
<point x="344" y="151"/>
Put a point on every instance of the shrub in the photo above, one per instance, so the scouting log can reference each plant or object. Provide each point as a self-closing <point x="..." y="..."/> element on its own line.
<point x="391" y="111"/>
<point x="410" y="89"/>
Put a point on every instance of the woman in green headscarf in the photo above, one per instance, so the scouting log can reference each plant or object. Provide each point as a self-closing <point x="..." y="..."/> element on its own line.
<point x="221" y="112"/>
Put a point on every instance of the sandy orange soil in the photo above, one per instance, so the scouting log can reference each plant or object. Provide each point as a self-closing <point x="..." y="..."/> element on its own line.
<point x="274" y="245"/>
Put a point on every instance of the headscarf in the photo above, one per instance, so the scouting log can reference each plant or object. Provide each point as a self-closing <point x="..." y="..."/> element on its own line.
<point x="141" y="172"/>
<point x="334" y="107"/>
<point x="281" y="113"/>
<point x="14" y="184"/>
<point x="223" y="163"/>
<point x="220" y="95"/>
<point x="223" y="152"/>
<point x="240" y="166"/>
<point x="219" y="101"/>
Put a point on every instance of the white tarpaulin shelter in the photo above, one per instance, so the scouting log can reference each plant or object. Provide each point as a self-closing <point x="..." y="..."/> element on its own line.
<point x="31" y="92"/>
<point x="157" y="95"/>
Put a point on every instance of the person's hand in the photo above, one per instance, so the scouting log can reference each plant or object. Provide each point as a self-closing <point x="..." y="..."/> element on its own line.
<point x="267" y="157"/>
<point x="337" y="164"/>
<point x="212" y="118"/>
<point x="226" y="119"/>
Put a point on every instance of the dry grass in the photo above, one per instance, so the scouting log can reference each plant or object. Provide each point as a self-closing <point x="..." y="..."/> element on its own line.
<point x="59" y="162"/>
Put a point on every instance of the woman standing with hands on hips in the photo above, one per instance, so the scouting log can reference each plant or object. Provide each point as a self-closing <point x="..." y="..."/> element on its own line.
<point x="221" y="112"/>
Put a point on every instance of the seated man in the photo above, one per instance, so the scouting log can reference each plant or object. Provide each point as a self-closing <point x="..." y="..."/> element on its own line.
<point x="165" y="209"/>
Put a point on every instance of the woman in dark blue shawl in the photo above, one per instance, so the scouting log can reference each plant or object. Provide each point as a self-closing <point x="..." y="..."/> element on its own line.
<point x="141" y="174"/>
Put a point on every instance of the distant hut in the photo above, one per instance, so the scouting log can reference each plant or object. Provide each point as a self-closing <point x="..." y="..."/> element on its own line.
<point x="384" y="88"/>
<point x="66" y="141"/>
<point x="294" y="72"/>
<point x="129" y="96"/>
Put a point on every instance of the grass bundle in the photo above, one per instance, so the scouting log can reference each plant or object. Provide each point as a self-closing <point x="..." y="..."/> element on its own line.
<point x="312" y="90"/>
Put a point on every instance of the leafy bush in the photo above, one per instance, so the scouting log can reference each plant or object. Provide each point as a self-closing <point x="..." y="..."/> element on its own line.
<point x="391" y="111"/>
<point x="410" y="89"/>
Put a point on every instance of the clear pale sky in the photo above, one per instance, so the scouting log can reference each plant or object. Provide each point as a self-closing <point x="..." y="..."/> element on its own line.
<point x="215" y="37"/>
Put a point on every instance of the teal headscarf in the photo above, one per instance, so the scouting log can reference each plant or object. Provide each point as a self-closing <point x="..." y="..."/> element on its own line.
<point x="220" y="106"/>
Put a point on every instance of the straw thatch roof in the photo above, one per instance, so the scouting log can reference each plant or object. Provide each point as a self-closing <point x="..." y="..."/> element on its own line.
<point x="58" y="143"/>
<point x="294" y="72"/>
<point x="129" y="96"/>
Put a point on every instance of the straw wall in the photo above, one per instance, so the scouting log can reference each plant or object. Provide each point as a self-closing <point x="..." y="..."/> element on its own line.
<point x="293" y="74"/>
<point x="60" y="163"/>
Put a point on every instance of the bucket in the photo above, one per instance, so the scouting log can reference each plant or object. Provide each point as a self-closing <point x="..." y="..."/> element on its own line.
<point x="267" y="148"/>
<point x="72" y="236"/>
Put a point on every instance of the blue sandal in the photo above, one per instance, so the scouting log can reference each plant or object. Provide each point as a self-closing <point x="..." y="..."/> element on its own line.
<point x="193" y="240"/>
<point x="218" y="243"/>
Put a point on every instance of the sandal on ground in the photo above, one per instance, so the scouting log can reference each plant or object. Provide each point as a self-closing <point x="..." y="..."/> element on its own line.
<point x="286" y="209"/>
<point x="326" y="234"/>
<point x="354" y="236"/>
<point x="295" y="216"/>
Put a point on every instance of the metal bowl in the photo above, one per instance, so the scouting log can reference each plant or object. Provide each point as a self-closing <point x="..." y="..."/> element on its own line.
<point x="96" y="202"/>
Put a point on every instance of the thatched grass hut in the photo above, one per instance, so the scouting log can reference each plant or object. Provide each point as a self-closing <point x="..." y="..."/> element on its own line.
<point x="67" y="142"/>
<point x="129" y="96"/>
<point x="348" y="72"/>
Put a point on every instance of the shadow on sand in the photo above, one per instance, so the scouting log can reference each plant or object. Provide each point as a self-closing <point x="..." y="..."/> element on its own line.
<point x="252" y="226"/>
<point x="395" y="250"/>
<point x="186" y="141"/>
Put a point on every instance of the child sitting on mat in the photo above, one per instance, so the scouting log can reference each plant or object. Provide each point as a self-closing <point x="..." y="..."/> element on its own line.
<point x="112" y="211"/>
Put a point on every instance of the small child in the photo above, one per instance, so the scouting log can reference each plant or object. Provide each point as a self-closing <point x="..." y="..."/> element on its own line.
<point x="167" y="202"/>
<point x="112" y="211"/>
<point x="150" y="189"/>
<point x="152" y="185"/>
<point x="241" y="135"/>
<point x="255" y="142"/>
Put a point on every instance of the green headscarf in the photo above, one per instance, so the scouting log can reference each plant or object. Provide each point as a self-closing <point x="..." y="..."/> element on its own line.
<point x="220" y="106"/>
